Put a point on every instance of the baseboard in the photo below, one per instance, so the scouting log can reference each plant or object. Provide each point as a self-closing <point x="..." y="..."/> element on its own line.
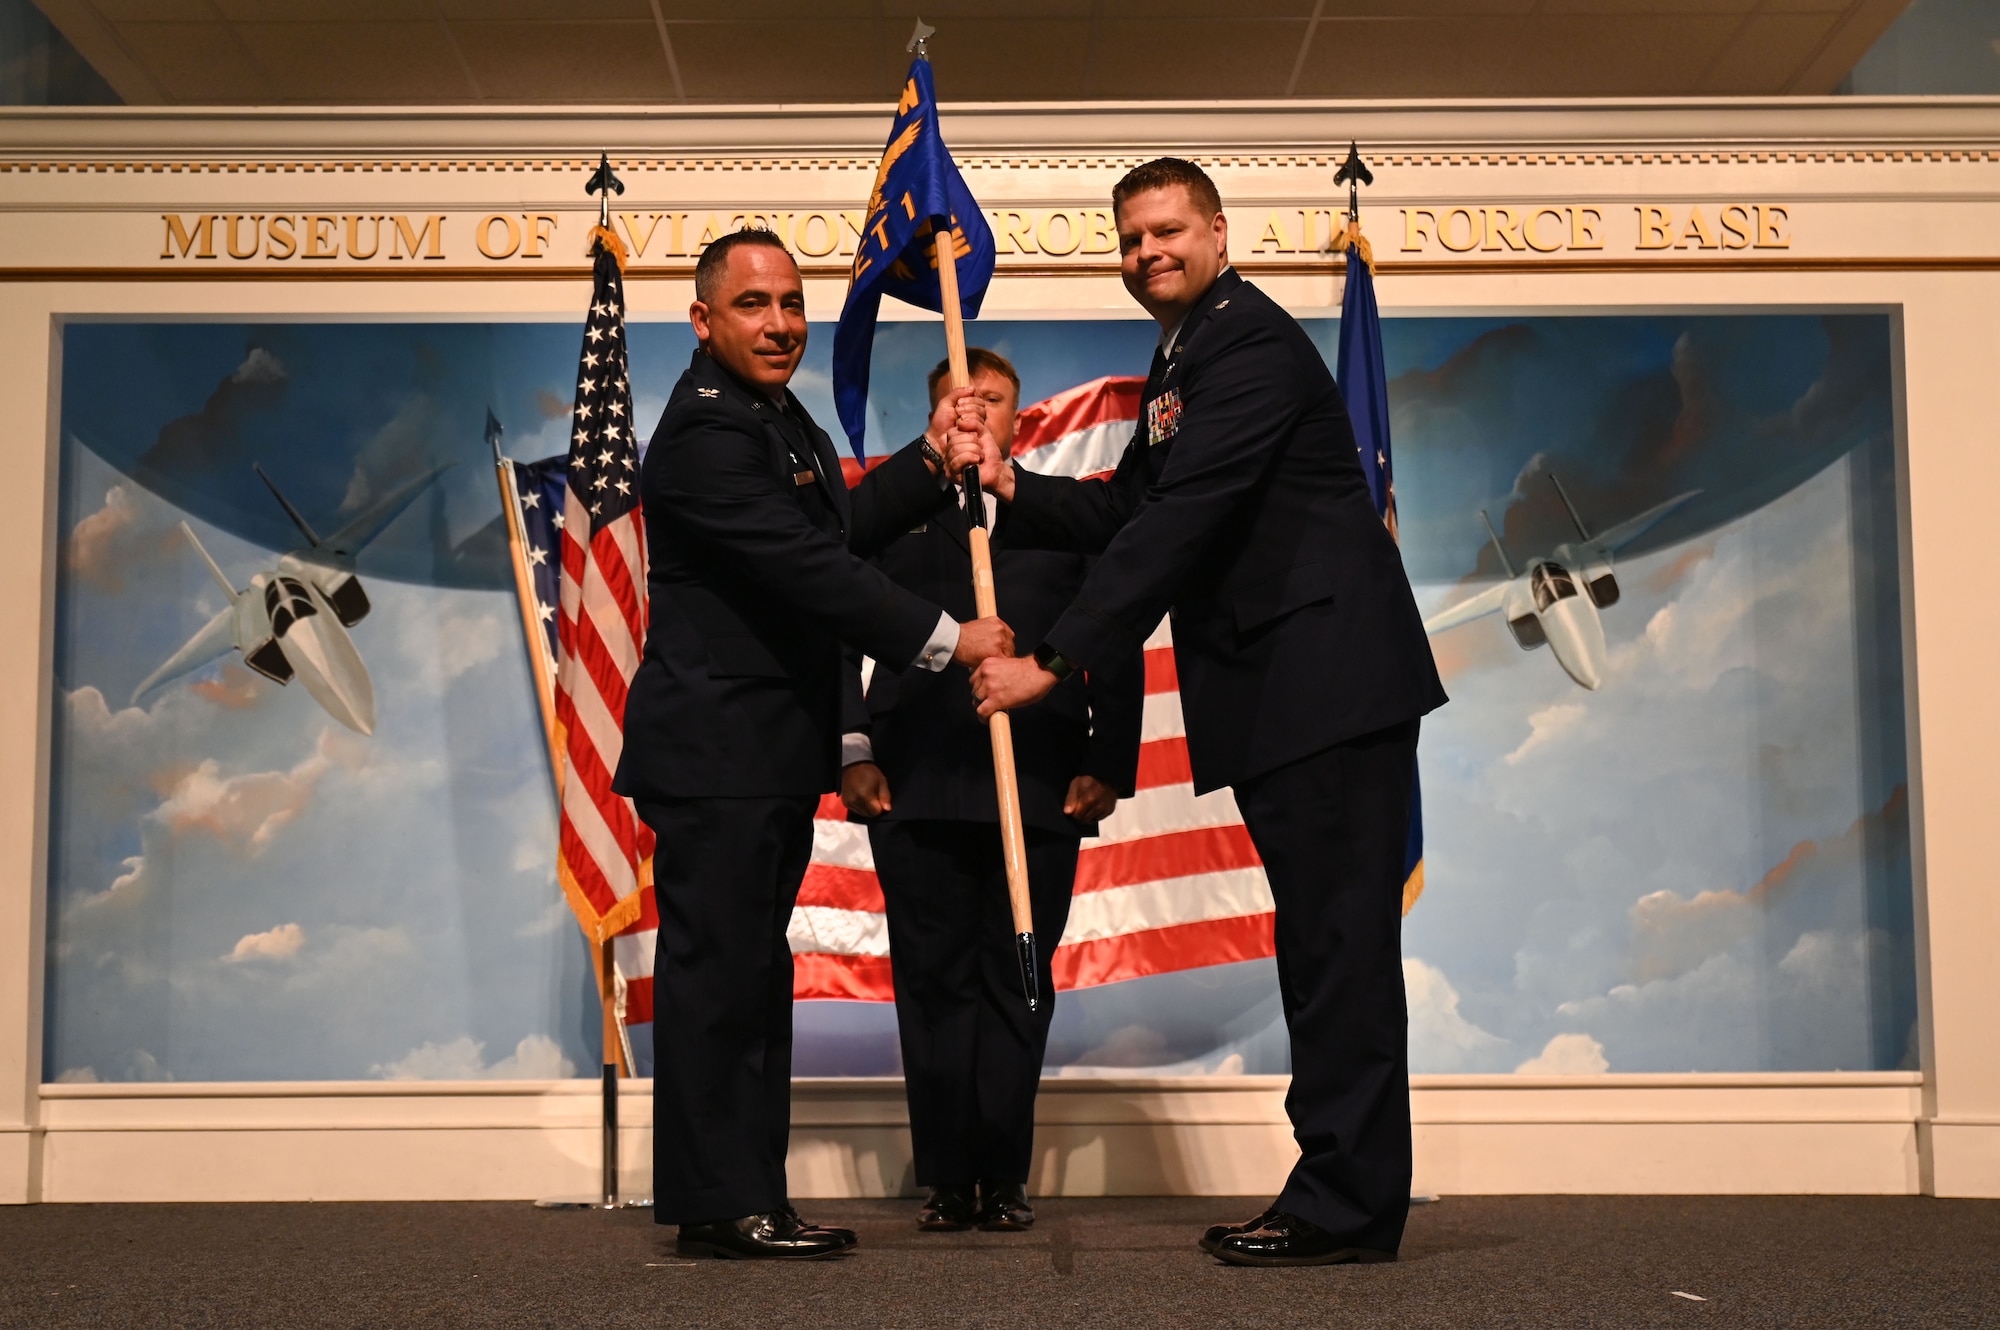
<point x="1964" y="1156"/>
<point x="1835" y="1133"/>
<point x="20" y="1165"/>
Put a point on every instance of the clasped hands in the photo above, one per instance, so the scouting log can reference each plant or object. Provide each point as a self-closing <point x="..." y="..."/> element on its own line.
<point x="958" y="430"/>
<point x="1001" y="681"/>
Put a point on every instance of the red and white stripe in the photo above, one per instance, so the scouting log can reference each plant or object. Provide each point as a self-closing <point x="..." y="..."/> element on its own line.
<point x="602" y="624"/>
<point x="1170" y="883"/>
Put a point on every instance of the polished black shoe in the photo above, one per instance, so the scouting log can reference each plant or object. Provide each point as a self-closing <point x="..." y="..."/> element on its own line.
<point x="1004" y="1208"/>
<point x="1220" y="1231"/>
<point x="949" y="1209"/>
<point x="778" y="1236"/>
<point x="1284" y="1239"/>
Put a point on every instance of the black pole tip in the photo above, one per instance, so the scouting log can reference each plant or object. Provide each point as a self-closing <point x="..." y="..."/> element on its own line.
<point x="1024" y="947"/>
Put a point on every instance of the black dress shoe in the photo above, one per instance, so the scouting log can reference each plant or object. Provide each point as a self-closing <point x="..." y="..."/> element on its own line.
<point x="1284" y="1239"/>
<point x="1004" y="1208"/>
<point x="948" y="1209"/>
<point x="1220" y="1231"/>
<point x="778" y="1236"/>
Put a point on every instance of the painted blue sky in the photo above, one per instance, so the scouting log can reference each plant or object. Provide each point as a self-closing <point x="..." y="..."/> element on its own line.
<point x="1628" y="411"/>
<point x="1702" y="866"/>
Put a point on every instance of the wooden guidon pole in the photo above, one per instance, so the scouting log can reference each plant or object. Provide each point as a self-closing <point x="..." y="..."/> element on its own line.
<point x="1013" y="842"/>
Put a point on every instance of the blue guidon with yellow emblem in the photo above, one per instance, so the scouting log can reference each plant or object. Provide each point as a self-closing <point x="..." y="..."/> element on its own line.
<point x="917" y="190"/>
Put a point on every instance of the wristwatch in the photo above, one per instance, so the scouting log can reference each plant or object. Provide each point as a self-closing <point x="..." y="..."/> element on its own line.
<point x="1051" y="660"/>
<point x="931" y="454"/>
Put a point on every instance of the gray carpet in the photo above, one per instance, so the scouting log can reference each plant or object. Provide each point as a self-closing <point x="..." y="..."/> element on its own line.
<point x="1468" y="1263"/>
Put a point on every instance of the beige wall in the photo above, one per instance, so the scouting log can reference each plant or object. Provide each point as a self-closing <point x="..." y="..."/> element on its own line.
<point x="1885" y="206"/>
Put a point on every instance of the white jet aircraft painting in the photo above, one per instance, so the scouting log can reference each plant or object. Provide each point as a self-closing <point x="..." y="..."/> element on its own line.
<point x="1555" y="601"/>
<point x="291" y="623"/>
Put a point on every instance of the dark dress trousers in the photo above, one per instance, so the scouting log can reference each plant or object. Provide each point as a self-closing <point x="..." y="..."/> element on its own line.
<point x="1303" y="663"/>
<point x="972" y="1052"/>
<point x="732" y="732"/>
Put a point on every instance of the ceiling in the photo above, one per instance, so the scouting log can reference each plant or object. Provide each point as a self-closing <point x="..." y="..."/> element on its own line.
<point x="509" y="52"/>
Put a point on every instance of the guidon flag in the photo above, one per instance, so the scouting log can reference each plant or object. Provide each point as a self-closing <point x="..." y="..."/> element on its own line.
<point x="918" y="190"/>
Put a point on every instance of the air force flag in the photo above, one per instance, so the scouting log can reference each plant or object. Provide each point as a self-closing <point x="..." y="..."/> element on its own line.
<point x="917" y="190"/>
<point x="1364" y="382"/>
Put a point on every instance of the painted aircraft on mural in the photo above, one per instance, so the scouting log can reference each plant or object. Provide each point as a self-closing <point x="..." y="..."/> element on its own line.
<point x="1555" y="601"/>
<point x="291" y="622"/>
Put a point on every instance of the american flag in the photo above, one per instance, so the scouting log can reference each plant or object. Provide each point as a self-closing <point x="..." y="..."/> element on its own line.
<point x="1171" y="882"/>
<point x="605" y="852"/>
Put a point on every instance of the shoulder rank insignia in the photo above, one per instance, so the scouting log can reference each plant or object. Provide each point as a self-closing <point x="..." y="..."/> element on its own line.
<point x="1221" y="304"/>
<point x="1163" y="417"/>
<point x="709" y="392"/>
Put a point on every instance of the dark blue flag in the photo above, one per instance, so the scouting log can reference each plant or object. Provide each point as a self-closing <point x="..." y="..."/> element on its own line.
<point x="1365" y="384"/>
<point x="917" y="190"/>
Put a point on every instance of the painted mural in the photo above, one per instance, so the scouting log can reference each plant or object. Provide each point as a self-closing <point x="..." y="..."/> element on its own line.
<point x="1669" y="835"/>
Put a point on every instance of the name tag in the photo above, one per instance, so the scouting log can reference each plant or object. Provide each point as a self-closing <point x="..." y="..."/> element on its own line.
<point x="1163" y="417"/>
<point x="803" y="477"/>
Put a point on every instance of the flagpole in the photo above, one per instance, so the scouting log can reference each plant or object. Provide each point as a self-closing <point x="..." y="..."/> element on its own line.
<point x="1359" y="317"/>
<point x="616" y="1058"/>
<point x="1013" y="841"/>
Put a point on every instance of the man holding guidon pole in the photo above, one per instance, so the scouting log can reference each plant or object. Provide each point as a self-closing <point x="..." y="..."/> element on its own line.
<point x="971" y="1068"/>
<point x="1241" y="507"/>
<point x="920" y="772"/>
<point x="756" y="579"/>
<point x="924" y="240"/>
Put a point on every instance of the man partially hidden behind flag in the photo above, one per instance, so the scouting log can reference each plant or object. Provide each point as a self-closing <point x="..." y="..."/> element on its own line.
<point x="1364" y="383"/>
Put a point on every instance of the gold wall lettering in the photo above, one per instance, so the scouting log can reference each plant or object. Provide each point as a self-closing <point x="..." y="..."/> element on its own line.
<point x="1080" y="235"/>
<point x="1574" y="227"/>
<point x="1496" y="229"/>
<point x="250" y="235"/>
<point x="1735" y="226"/>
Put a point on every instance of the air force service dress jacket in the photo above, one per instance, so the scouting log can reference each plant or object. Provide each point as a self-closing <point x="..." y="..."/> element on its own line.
<point x="1241" y="505"/>
<point x="757" y="576"/>
<point x="924" y="726"/>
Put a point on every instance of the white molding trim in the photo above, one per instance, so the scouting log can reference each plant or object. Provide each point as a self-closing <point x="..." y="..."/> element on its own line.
<point x="1049" y="134"/>
<point x="488" y="1140"/>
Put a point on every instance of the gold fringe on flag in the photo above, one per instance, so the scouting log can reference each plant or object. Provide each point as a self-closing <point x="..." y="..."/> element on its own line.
<point x="605" y="236"/>
<point x="1352" y="238"/>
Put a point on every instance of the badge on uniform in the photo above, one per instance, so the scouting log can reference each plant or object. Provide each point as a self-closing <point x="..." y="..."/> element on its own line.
<point x="1163" y="417"/>
<point x="709" y="392"/>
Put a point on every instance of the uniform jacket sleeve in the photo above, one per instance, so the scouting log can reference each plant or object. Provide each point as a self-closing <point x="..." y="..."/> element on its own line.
<point x="1077" y="516"/>
<point x="891" y="499"/>
<point x="1240" y="404"/>
<point x="719" y="489"/>
<point x="853" y="698"/>
<point x="1117" y="694"/>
